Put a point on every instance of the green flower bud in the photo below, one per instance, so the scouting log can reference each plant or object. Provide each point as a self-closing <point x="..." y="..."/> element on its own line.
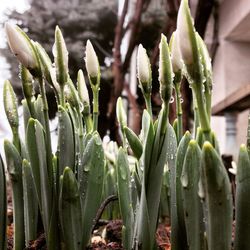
<point x="61" y="58"/>
<point x="206" y="61"/>
<point x="10" y="105"/>
<point x="46" y="63"/>
<point x="27" y="82"/>
<point x="165" y="71"/>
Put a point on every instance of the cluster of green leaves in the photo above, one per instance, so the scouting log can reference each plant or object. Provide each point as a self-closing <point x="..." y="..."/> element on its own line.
<point x="65" y="188"/>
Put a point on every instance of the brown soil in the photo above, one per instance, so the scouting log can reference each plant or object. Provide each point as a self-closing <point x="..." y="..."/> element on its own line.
<point x="111" y="241"/>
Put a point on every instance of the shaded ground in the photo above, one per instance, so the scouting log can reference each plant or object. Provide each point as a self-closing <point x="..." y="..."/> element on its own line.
<point x="112" y="239"/>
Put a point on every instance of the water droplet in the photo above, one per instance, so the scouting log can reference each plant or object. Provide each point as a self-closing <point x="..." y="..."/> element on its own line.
<point x="184" y="180"/>
<point x="201" y="191"/>
<point x="181" y="100"/>
<point x="123" y="172"/>
<point x="203" y="88"/>
<point x="171" y="99"/>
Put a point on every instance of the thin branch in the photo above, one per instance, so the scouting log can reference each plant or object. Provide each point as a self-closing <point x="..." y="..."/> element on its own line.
<point x="135" y="25"/>
<point x="134" y="108"/>
<point x="101" y="209"/>
<point x="117" y="65"/>
<point x="170" y="25"/>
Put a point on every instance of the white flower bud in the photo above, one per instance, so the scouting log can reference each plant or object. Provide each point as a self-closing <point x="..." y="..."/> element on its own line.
<point x="175" y="53"/>
<point x="82" y="88"/>
<point x="20" y="46"/>
<point x="91" y="61"/>
<point x="185" y="31"/>
<point x="143" y="68"/>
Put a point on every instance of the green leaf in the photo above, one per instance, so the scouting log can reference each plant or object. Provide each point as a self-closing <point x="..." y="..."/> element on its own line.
<point x="181" y="152"/>
<point x="39" y="110"/>
<point x="148" y="133"/>
<point x="134" y="142"/>
<point x="125" y="198"/>
<point x="242" y="203"/>
<point x="93" y="166"/>
<point x="66" y="144"/>
<point x="218" y="200"/>
<point x="30" y="203"/>
<point x="14" y="166"/>
<point x="70" y="211"/>
<point x="35" y="139"/>
<point x="3" y="207"/>
<point x="192" y="206"/>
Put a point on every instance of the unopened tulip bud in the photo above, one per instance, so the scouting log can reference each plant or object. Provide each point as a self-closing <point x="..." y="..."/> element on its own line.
<point x="144" y="70"/>
<point x="21" y="46"/>
<point x="165" y="70"/>
<point x="10" y="105"/>
<point x="82" y="88"/>
<point x="92" y="64"/>
<point x="61" y="58"/>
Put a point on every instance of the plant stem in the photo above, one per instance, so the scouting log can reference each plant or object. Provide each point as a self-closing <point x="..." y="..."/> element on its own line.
<point x="208" y="96"/>
<point x="16" y="139"/>
<point x="148" y="104"/>
<point x="196" y="114"/>
<point x="62" y="98"/>
<point x="47" y="129"/>
<point x="165" y="111"/>
<point x="95" y="108"/>
<point x="87" y="119"/>
<point x="203" y="116"/>
<point x="178" y="111"/>
<point x="31" y="107"/>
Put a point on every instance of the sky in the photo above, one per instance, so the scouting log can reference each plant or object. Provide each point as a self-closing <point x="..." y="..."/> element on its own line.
<point x="5" y="7"/>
